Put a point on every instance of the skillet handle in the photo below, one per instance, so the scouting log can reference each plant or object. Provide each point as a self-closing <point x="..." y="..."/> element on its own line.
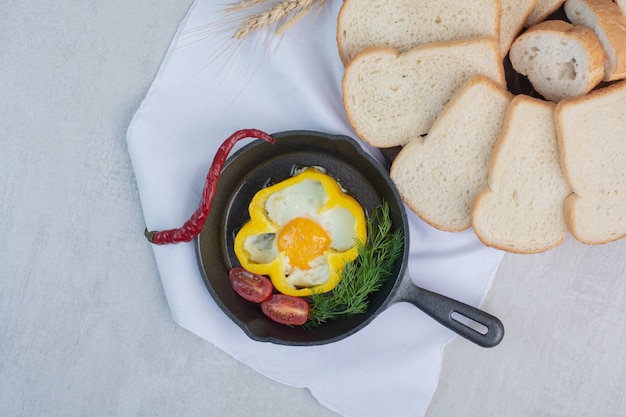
<point x="472" y="323"/>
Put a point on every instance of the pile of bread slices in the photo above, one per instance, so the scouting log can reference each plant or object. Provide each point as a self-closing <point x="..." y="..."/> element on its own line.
<point x="427" y="78"/>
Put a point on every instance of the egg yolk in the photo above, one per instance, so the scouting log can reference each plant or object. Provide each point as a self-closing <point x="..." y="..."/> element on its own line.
<point x="303" y="240"/>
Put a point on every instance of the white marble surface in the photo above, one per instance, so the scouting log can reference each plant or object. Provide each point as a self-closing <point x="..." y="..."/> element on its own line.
<point x="84" y="325"/>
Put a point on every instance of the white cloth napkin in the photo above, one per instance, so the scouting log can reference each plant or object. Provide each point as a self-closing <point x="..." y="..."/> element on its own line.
<point x="200" y="97"/>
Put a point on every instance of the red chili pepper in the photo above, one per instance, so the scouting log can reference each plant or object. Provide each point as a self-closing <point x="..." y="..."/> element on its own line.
<point x="193" y="226"/>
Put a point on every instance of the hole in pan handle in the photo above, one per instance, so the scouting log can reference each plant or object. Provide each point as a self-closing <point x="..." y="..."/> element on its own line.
<point x="470" y="322"/>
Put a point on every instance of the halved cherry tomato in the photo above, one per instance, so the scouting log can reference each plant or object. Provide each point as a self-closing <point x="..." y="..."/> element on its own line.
<point x="252" y="287"/>
<point x="286" y="309"/>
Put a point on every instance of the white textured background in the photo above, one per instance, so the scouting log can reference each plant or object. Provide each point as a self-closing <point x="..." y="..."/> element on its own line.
<point x="84" y="325"/>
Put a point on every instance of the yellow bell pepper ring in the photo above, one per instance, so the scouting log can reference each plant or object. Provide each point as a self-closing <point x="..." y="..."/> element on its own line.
<point x="301" y="233"/>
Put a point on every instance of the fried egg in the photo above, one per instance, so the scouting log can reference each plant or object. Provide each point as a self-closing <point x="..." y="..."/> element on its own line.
<point x="301" y="233"/>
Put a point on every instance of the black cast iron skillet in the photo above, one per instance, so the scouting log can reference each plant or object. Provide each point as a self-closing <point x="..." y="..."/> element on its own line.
<point x="258" y="164"/>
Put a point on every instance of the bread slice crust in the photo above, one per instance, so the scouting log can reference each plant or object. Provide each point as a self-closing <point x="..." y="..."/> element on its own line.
<point x="513" y="16"/>
<point x="405" y="24"/>
<point x="439" y="176"/>
<point x="560" y="60"/>
<point x="391" y="98"/>
<point x="591" y="131"/>
<point x="522" y="209"/>
<point x="608" y="22"/>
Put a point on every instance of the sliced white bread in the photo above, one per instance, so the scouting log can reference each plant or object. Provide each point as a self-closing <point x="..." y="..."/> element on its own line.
<point x="439" y="176"/>
<point x="608" y="22"/>
<point x="560" y="60"/>
<point x="392" y="98"/>
<point x="514" y="15"/>
<point x="522" y="209"/>
<point x="404" y="24"/>
<point x="592" y="136"/>
<point x="542" y="10"/>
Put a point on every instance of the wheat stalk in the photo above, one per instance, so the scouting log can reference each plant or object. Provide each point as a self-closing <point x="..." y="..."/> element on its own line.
<point x="272" y="17"/>
<point x="280" y="15"/>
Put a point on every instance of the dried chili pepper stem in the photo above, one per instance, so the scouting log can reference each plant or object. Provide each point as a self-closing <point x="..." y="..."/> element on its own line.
<point x="192" y="227"/>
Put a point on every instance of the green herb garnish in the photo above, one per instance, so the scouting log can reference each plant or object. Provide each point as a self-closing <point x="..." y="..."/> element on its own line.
<point x="363" y="276"/>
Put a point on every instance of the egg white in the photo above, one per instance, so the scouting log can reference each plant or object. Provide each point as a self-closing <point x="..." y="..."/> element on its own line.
<point x="303" y="199"/>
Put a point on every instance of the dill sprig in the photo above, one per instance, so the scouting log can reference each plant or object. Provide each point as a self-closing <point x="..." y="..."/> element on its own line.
<point x="363" y="276"/>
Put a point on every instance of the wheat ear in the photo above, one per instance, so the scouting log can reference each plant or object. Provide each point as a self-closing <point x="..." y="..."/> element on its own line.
<point x="277" y="15"/>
